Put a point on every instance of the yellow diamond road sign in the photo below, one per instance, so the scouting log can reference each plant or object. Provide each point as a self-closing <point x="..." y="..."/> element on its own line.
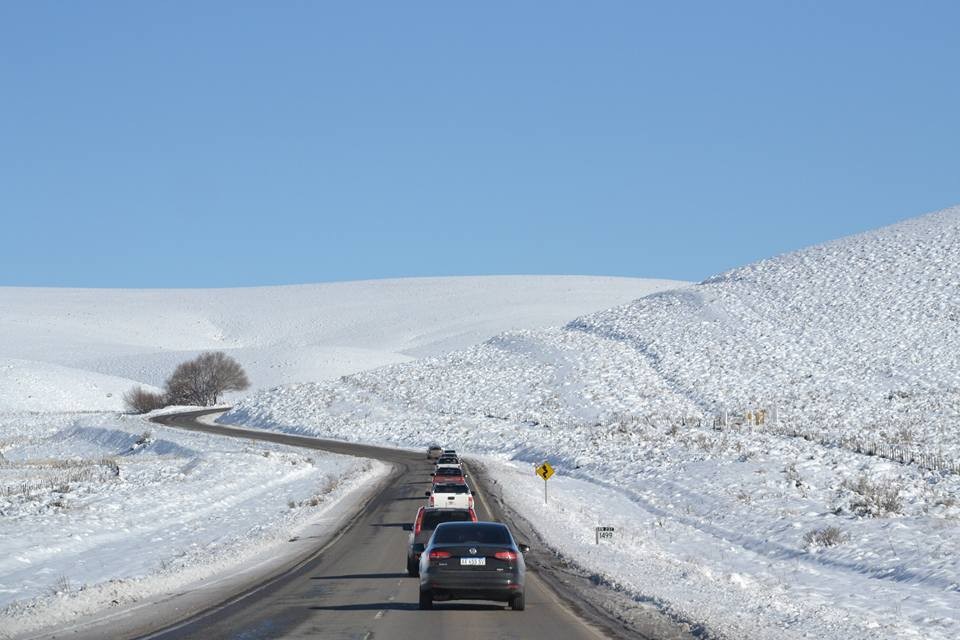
<point x="545" y="471"/>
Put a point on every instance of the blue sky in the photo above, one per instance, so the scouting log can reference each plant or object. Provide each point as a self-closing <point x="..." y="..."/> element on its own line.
<point x="227" y="144"/>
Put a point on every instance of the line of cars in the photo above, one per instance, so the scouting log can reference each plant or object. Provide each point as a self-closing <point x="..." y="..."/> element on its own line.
<point x="455" y="556"/>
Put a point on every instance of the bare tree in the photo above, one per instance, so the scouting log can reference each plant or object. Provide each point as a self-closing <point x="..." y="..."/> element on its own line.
<point x="203" y="380"/>
<point x="139" y="400"/>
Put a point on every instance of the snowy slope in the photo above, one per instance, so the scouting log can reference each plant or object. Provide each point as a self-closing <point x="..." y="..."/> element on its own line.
<point x="280" y="334"/>
<point x="41" y="386"/>
<point x="845" y="349"/>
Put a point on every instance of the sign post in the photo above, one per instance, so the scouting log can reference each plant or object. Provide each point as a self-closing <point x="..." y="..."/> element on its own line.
<point x="604" y="533"/>
<point x="545" y="471"/>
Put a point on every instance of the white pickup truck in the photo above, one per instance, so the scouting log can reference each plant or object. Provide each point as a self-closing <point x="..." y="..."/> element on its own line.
<point x="450" y="496"/>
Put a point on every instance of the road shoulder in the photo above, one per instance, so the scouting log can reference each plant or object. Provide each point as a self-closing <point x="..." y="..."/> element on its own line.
<point x="617" y="613"/>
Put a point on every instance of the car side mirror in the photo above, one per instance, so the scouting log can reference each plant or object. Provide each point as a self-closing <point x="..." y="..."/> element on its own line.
<point x="466" y="476"/>
<point x="426" y="493"/>
<point x="432" y="474"/>
<point x="524" y="548"/>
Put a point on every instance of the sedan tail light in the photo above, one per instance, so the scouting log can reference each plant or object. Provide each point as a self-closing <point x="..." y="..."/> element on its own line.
<point x="473" y="514"/>
<point x="419" y="524"/>
<point x="505" y="555"/>
<point x="439" y="555"/>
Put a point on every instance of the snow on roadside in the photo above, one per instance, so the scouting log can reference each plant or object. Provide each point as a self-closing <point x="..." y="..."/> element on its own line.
<point x="714" y="523"/>
<point x="103" y="510"/>
<point x="701" y="556"/>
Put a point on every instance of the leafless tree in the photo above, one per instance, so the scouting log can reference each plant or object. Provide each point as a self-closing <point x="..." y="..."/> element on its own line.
<point x="203" y="380"/>
<point x="139" y="400"/>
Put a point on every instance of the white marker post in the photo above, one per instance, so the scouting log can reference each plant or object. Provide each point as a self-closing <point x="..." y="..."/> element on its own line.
<point x="604" y="532"/>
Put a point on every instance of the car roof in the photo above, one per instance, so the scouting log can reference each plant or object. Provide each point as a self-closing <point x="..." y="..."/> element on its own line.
<point x="498" y="525"/>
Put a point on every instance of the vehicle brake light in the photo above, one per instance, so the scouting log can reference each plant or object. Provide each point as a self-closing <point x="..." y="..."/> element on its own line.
<point x="439" y="555"/>
<point x="473" y="514"/>
<point x="419" y="524"/>
<point x="470" y="503"/>
<point x="505" y="555"/>
<point x="431" y="501"/>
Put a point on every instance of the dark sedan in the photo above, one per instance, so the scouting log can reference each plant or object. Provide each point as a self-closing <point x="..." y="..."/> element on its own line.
<point x="472" y="561"/>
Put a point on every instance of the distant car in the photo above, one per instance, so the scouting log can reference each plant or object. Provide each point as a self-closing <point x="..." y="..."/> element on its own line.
<point x="423" y="525"/>
<point x="472" y="561"/>
<point x="449" y="474"/>
<point x="449" y="452"/>
<point x="434" y="452"/>
<point x="445" y="459"/>
<point x="450" y="495"/>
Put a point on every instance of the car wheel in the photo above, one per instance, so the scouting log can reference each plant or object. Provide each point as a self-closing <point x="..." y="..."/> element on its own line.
<point x="413" y="570"/>
<point x="426" y="599"/>
<point x="517" y="603"/>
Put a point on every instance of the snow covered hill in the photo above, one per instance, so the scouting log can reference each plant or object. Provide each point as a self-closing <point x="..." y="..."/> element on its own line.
<point x="79" y="349"/>
<point x="741" y="417"/>
<point x="860" y="334"/>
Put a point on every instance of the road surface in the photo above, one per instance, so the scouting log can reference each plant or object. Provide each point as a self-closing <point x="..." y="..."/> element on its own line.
<point x="357" y="587"/>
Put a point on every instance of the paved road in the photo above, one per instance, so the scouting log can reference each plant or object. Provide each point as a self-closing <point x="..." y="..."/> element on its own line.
<point x="358" y="588"/>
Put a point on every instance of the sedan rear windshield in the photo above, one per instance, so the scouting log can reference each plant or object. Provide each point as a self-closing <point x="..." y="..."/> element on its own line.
<point x="472" y="533"/>
<point x="450" y="488"/>
<point x="432" y="518"/>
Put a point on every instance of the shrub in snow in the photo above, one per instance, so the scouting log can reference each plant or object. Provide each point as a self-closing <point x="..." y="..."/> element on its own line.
<point x="826" y="537"/>
<point x="62" y="586"/>
<point x="139" y="400"/>
<point x="203" y="380"/>
<point x="873" y="499"/>
<point x="145" y="438"/>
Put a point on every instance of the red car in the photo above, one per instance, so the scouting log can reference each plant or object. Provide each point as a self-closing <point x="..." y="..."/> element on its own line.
<point x="448" y="475"/>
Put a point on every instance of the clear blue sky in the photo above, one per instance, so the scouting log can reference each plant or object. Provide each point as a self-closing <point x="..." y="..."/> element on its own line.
<point x="222" y="144"/>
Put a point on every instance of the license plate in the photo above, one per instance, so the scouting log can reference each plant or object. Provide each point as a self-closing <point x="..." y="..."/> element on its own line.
<point x="477" y="562"/>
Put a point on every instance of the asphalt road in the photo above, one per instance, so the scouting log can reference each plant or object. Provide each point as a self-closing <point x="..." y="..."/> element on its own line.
<point x="357" y="587"/>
